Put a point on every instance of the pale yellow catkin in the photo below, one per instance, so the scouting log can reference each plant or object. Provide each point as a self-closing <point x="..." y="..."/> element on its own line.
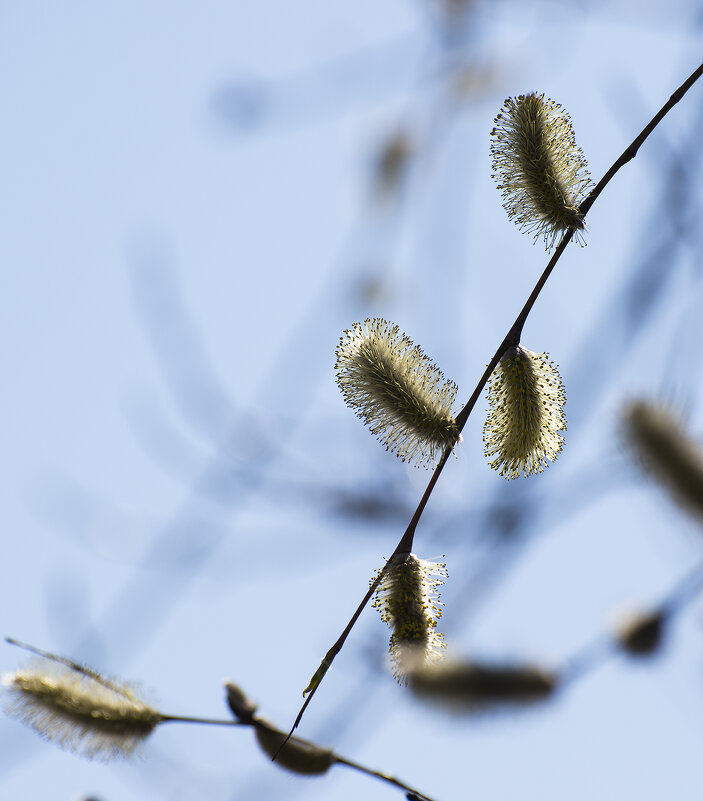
<point x="408" y="600"/>
<point x="540" y="171"/>
<point x="526" y="397"/>
<point x="79" y="710"/>
<point x="397" y="391"/>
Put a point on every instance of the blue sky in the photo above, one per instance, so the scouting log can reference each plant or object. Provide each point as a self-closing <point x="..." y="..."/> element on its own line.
<point x="188" y="225"/>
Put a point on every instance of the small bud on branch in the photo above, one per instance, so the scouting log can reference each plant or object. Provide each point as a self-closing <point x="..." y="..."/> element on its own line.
<point x="298" y="756"/>
<point x="239" y="703"/>
<point x="642" y="634"/>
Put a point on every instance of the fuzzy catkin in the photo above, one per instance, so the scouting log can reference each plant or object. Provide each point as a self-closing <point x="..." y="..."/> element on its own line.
<point x="298" y="756"/>
<point x="397" y="391"/>
<point x="659" y="441"/>
<point x="540" y="171"/>
<point x="79" y="710"/>
<point x="408" y="600"/>
<point x="475" y="687"/>
<point x="525" y="414"/>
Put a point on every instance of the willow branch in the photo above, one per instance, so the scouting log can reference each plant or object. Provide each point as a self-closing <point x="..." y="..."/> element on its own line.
<point x="511" y="339"/>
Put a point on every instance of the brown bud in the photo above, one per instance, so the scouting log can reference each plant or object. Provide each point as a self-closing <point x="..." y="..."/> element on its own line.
<point x="641" y="635"/>
<point x="242" y="707"/>
<point x="298" y="756"/>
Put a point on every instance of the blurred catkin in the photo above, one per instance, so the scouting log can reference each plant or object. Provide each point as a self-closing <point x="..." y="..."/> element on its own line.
<point x="642" y="634"/>
<point x="476" y="687"/>
<point x="79" y="709"/>
<point x="661" y="445"/>
<point x="298" y="756"/>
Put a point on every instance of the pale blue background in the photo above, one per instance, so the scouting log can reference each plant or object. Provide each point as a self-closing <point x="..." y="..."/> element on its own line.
<point x="187" y="224"/>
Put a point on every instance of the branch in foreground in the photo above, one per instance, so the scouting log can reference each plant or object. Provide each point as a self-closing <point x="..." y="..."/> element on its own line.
<point x="100" y="718"/>
<point x="295" y="754"/>
<point x="512" y="339"/>
<point x="82" y="710"/>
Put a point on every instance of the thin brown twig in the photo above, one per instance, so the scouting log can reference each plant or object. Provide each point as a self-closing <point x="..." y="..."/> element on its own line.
<point x="386" y="777"/>
<point x="512" y="338"/>
<point x="203" y="721"/>
<point x="631" y="151"/>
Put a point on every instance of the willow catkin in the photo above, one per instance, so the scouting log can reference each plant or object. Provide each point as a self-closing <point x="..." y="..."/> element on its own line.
<point x="79" y="709"/>
<point x="540" y="171"/>
<point x="408" y="600"/>
<point x="659" y="442"/>
<point x="397" y="391"/>
<point x="525" y="414"/>
<point x="476" y="687"/>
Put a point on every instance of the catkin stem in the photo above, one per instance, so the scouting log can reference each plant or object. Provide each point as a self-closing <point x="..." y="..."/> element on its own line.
<point x="204" y="721"/>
